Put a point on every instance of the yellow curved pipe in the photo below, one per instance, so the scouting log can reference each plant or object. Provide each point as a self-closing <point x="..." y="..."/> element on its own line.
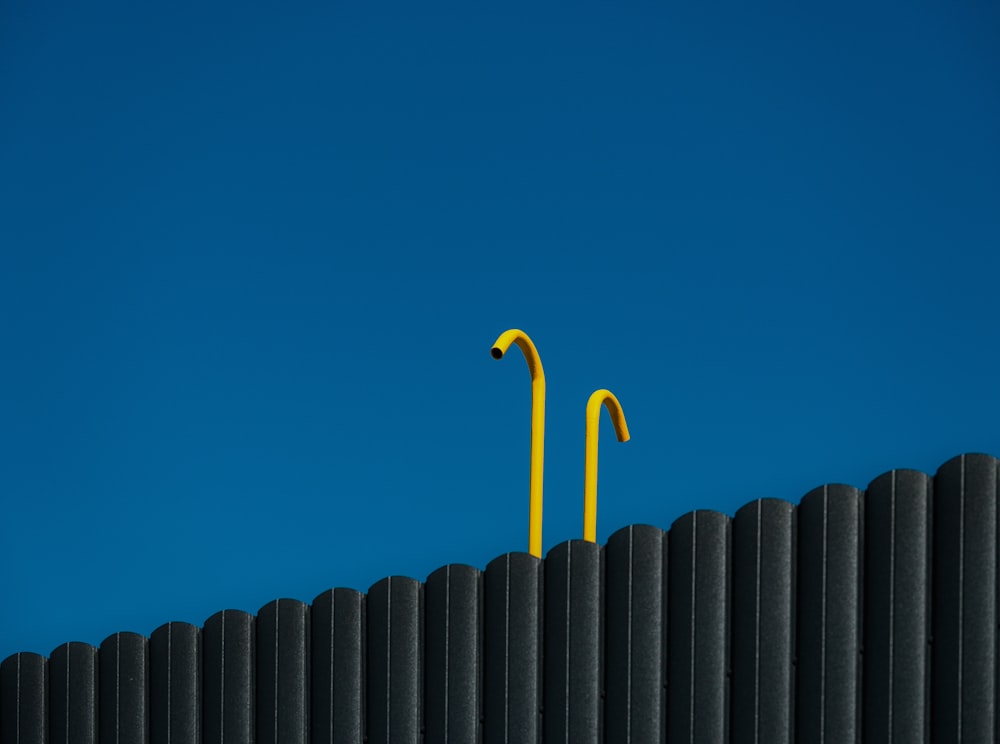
<point x="590" y="459"/>
<point x="514" y="336"/>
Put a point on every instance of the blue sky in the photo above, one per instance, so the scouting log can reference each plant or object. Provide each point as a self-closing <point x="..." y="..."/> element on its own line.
<point x="252" y="260"/>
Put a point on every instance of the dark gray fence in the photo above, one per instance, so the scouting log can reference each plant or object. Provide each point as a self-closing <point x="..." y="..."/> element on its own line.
<point x="854" y="616"/>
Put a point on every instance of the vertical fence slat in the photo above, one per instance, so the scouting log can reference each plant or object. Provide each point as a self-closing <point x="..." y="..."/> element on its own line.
<point x="338" y="667"/>
<point x="24" y="693"/>
<point x="572" y="658"/>
<point x="763" y="618"/>
<point x="228" y="673"/>
<point x="73" y="694"/>
<point x="829" y="616"/>
<point x="512" y="650"/>
<point x="964" y="599"/>
<point x="282" y="672"/>
<point x="453" y="598"/>
<point x="635" y="635"/>
<point x="124" y="679"/>
<point x="395" y="669"/>
<point x="698" y="632"/>
<point x="175" y="684"/>
<point x="897" y="617"/>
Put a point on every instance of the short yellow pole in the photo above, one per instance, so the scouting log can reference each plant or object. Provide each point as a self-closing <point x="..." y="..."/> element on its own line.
<point x="590" y="457"/>
<point x="537" y="429"/>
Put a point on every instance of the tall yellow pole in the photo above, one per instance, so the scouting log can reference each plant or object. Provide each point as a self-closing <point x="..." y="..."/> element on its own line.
<point x="537" y="429"/>
<point x="590" y="456"/>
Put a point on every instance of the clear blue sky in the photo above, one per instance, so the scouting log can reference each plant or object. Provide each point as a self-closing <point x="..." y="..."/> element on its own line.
<point x="252" y="259"/>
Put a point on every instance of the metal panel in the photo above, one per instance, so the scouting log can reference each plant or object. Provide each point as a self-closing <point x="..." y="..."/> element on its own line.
<point x="175" y="684"/>
<point x="338" y="667"/>
<point x="572" y="659"/>
<point x="24" y="693"/>
<point x="512" y="650"/>
<point x="763" y="617"/>
<point x="453" y="680"/>
<point x="698" y="628"/>
<point x="73" y="694"/>
<point x="635" y="640"/>
<point x="829" y="617"/>
<point x="228" y="669"/>
<point x="282" y="672"/>
<point x="395" y="669"/>
<point x="124" y="673"/>
<point x="897" y="616"/>
<point x="964" y="600"/>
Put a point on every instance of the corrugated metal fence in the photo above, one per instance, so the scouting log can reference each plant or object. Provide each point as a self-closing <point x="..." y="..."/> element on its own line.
<point x="855" y="615"/>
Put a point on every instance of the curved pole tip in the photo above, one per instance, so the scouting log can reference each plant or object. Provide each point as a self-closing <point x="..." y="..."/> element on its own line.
<point x="519" y="337"/>
<point x="505" y="339"/>
<point x="590" y="457"/>
<point x="500" y="346"/>
<point x="614" y="410"/>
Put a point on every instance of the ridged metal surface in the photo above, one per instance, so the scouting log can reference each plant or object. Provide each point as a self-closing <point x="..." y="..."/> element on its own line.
<point x="829" y="615"/>
<point x="573" y="649"/>
<point x="963" y="687"/>
<point x="395" y="661"/>
<point x="283" y="673"/>
<point x="124" y="678"/>
<point x="763" y="631"/>
<point x="897" y="618"/>
<point x="229" y="673"/>
<point x="24" y="695"/>
<point x="175" y="691"/>
<point x="854" y="616"/>
<point x="453" y="680"/>
<point x="635" y="639"/>
<point x="512" y="649"/>
<point x="73" y="694"/>
<point x="338" y="667"/>
<point x="698" y="629"/>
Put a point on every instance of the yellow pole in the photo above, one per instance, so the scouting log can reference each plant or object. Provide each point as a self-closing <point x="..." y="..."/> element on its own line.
<point x="537" y="429"/>
<point x="590" y="457"/>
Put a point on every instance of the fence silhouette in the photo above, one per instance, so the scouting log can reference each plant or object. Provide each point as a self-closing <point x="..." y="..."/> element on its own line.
<point x="855" y="615"/>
